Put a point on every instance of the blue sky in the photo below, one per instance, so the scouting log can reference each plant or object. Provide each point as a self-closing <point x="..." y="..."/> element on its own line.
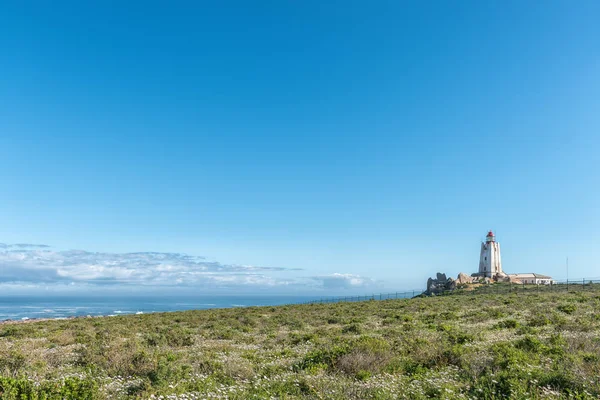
<point x="324" y="146"/>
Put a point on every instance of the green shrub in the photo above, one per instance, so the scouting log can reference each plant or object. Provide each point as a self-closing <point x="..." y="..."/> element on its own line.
<point x="508" y="324"/>
<point x="455" y="335"/>
<point x="567" y="308"/>
<point x="323" y="358"/>
<point x="363" y="375"/>
<point x="564" y="381"/>
<point x="13" y="362"/>
<point x="352" y="328"/>
<point x="170" y="337"/>
<point x="297" y="338"/>
<point x="505" y="356"/>
<point x="539" y="320"/>
<point x="67" y="389"/>
<point x="496" y="313"/>
<point x="526" y="330"/>
<point x="529" y="343"/>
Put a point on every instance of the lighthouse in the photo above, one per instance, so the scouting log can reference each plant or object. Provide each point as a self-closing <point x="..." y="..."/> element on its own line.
<point x="490" y="263"/>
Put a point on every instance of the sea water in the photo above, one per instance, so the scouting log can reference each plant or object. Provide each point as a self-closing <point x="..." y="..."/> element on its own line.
<point x="34" y="307"/>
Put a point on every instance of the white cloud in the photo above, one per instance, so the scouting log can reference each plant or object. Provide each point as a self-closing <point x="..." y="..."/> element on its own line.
<point x="29" y="266"/>
<point x="40" y="264"/>
<point x="345" y="281"/>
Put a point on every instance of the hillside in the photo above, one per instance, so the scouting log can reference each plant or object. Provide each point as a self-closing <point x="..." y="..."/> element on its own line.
<point x="490" y="346"/>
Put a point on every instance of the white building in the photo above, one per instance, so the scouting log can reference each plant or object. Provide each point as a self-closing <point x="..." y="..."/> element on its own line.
<point x="490" y="261"/>
<point x="490" y="266"/>
<point x="531" y="278"/>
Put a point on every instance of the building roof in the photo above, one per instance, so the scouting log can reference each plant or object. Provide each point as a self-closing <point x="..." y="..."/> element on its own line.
<point x="529" y="275"/>
<point x="490" y="233"/>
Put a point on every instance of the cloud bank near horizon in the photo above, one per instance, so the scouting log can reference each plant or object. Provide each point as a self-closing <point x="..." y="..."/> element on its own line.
<point x="31" y="266"/>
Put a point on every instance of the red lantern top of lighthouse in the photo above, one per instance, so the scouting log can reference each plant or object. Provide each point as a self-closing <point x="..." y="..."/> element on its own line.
<point x="490" y="237"/>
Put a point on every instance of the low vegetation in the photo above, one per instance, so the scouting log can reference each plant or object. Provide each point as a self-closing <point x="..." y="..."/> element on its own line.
<point x="527" y="345"/>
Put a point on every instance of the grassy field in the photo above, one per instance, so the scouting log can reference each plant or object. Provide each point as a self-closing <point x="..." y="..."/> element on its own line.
<point x="487" y="346"/>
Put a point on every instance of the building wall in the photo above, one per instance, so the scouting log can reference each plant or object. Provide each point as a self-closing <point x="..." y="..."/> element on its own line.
<point x="531" y="280"/>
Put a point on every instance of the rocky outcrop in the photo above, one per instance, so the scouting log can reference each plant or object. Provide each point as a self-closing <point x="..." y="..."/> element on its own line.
<point x="482" y="280"/>
<point x="440" y="284"/>
<point x="463" y="279"/>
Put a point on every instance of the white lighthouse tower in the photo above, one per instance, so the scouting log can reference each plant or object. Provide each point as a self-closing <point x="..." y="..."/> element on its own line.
<point x="490" y="263"/>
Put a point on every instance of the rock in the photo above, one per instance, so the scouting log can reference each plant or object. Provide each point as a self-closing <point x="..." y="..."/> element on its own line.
<point x="440" y="284"/>
<point x="463" y="279"/>
<point x="450" y="284"/>
<point x="430" y="284"/>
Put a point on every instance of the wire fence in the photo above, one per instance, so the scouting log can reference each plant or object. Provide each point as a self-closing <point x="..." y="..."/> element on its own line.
<point x="474" y="289"/>
<point x="555" y="286"/>
<point x="379" y="296"/>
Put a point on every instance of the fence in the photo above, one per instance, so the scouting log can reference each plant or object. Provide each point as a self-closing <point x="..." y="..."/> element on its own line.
<point x="555" y="286"/>
<point x="380" y="296"/>
<point x="502" y="287"/>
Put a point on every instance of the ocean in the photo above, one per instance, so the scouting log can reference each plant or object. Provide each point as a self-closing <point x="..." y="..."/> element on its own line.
<point x="35" y="307"/>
